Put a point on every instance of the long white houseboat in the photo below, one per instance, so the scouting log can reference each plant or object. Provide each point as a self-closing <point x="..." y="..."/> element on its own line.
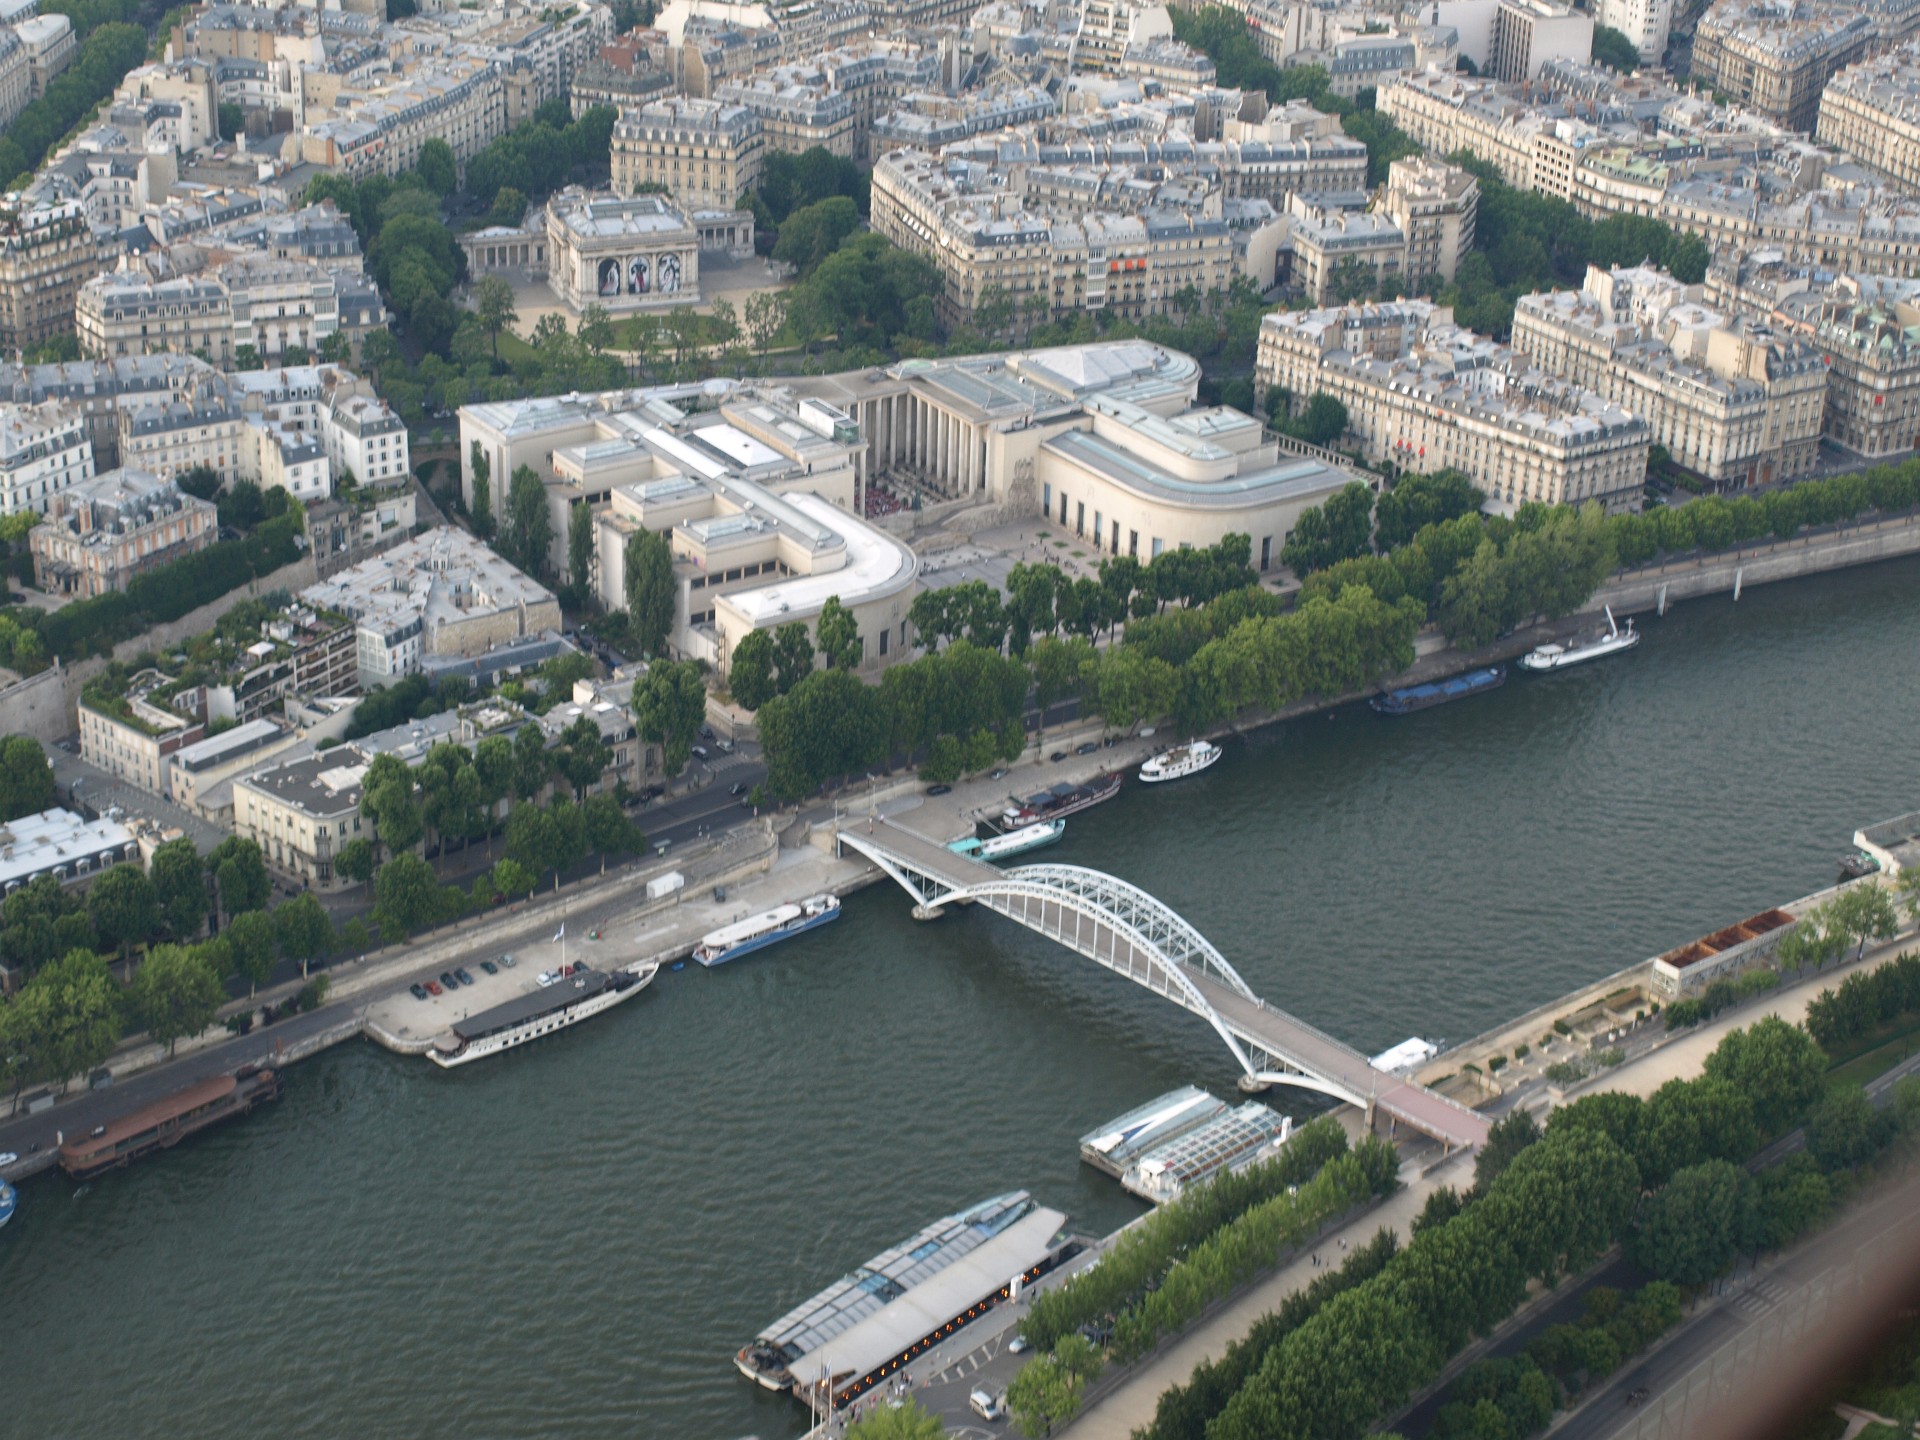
<point x="1179" y="763"/>
<point x="756" y="932"/>
<point x="574" y="998"/>
<point x="882" y="1315"/>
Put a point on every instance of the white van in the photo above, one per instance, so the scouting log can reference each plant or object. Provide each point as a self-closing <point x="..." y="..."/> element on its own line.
<point x="987" y="1405"/>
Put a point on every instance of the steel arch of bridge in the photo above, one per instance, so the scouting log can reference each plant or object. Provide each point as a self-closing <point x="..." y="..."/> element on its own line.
<point x="1149" y="927"/>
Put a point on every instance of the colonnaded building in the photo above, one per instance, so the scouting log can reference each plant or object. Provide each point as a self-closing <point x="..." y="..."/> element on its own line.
<point x="763" y="488"/>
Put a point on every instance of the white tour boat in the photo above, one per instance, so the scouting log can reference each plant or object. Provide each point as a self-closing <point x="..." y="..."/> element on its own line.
<point x="1557" y="657"/>
<point x="1179" y="763"/>
<point x="783" y="922"/>
<point x="568" y="1001"/>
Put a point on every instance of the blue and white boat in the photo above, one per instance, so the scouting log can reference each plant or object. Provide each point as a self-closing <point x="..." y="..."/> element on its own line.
<point x="757" y="932"/>
<point x="9" y="1202"/>
<point x="1014" y="842"/>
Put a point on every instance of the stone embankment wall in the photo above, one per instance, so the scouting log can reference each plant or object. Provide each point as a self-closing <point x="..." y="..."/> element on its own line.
<point x="1761" y="564"/>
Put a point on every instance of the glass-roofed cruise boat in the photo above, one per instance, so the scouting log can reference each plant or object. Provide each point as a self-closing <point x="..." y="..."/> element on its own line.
<point x="879" y="1316"/>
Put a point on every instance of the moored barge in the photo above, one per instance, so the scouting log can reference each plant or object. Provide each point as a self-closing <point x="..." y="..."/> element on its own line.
<point x="165" y="1123"/>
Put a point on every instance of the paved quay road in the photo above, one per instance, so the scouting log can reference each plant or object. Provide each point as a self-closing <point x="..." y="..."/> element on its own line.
<point x="576" y="1238"/>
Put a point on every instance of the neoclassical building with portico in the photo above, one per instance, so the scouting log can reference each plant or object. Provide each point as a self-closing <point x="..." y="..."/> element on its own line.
<point x="633" y="254"/>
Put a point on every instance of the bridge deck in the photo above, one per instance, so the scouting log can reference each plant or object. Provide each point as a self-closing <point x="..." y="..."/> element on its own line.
<point x="1278" y="1034"/>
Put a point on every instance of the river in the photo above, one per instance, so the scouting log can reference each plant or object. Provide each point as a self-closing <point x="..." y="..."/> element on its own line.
<point x="573" y="1239"/>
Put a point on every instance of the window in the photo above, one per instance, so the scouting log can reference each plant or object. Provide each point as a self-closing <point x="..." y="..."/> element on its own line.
<point x="1133" y="543"/>
<point x="1158" y="546"/>
<point x="884" y="637"/>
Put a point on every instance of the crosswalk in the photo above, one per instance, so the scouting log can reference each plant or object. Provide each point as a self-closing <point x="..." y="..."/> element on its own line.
<point x="1759" y="1298"/>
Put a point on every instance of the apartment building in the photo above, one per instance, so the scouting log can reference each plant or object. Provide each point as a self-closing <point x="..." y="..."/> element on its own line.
<point x="379" y="129"/>
<point x="15" y="88"/>
<point x="705" y="153"/>
<point x="50" y="45"/>
<point x="100" y="389"/>
<point x="986" y="239"/>
<point x="1647" y="23"/>
<point x="45" y="449"/>
<point x="303" y="812"/>
<point x="130" y="736"/>
<point x="1778" y="57"/>
<point x="1426" y="395"/>
<point x="1529" y="33"/>
<point x="1730" y="400"/>
<point x="47" y="251"/>
<point x="1872" y="111"/>
<point x="104" y="530"/>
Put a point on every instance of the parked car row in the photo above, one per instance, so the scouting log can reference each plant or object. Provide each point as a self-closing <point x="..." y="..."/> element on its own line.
<point x="451" y="980"/>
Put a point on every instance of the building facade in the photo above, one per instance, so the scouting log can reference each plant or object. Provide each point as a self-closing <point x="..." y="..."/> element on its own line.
<point x="705" y="154"/>
<point x="103" y="531"/>
<point x="623" y="254"/>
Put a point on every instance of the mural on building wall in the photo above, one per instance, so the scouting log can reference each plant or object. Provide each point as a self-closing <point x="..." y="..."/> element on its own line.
<point x="609" y="277"/>
<point x="669" y="274"/>
<point x="639" y="275"/>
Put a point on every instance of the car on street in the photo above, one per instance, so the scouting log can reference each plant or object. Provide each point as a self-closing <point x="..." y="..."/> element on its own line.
<point x="706" y="732"/>
<point x="739" y="787"/>
<point x="419" y="991"/>
<point x="489" y="967"/>
<point x="1057" y="756"/>
<point x="433" y="987"/>
<point x="1087" y="749"/>
<point x="939" y="789"/>
<point x="725" y="747"/>
<point x="462" y="976"/>
<point x="699" y="752"/>
<point x="999" y="774"/>
<point x="447" y="980"/>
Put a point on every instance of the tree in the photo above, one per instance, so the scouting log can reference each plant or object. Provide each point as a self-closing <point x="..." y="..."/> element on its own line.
<point x="179" y="887"/>
<point x="1326" y="534"/>
<point x="304" y="931"/>
<point x="493" y="307"/>
<point x="406" y="897"/>
<point x="792" y="654"/>
<point x="580" y="551"/>
<point x="232" y="120"/>
<point x="176" y="994"/>
<point x="482" y="494"/>
<point x="26" y="779"/>
<point x="750" y="676"/>
<point x="909" y="1422"/>
<point x="1325" y="420"/>
<point x="1863" y="912"/>
<point x="529" y="530"/>
<point x="1688" y="1231"/>
<point x="595" y="330"/>
<point x="840" y="644"/>
<point x="581" y="756"/>
<point x="123" y="909"/>
<point x="355" y="860"/>
<point x="1775" y="1065"/>
<point x="1505" y="1140"/>
<point x="652" y="598"/>
<point x="765" y="313"/>
<point x="66" y="1020"/>
<point x="387" y="803"/>
<point x="1614" y="50"/>
<point x="511" y="877"/>
<point x="240" y="875"/>
<point x="1844" y="1129"/>
<point x="251" y="938"/>
<point x="609" y="832"/>
<point x="436" y="167"/>
<point x="829" y="724"/>
<point x="669" y="705"/>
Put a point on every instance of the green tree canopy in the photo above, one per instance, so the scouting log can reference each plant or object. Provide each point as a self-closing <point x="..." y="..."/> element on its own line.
<point x="123" y="909"/>
<point x="26" y="779"/>
<point x="1688" y="1230"/>
<point x="176" y="994"/>
<point x="651" y="592"/>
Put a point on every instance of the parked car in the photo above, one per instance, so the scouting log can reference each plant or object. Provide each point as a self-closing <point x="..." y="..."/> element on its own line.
<point x="725" y="747"/>
<point x="1057" y="756"/>
<point x="699" y="752"/>
<point x="999" y="773"/>
<point x="706" y="732"/>
<point x="508" y="961"/>
<point x="546" y="978"/>
<point x="489" y="967"/>
<point x="462" y="976"/>
<point x="1017" y="1345"/>
<point x="419" y="991"/>
<point x="1087" y="749"/>
<point x="446" y="979"/>
<point x="939" y="789"/>
<point x="433" y="987"/>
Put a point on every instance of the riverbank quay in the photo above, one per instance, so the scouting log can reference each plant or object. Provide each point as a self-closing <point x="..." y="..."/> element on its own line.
<point x="1131" y="1403"/>
<point x="143" y="1072"/>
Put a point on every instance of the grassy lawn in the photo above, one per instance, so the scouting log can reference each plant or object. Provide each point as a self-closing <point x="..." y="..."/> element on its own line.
<point x="1877" y="1431"/>
<point x="1875" y="1052"/>
<point x="513" y="348"/>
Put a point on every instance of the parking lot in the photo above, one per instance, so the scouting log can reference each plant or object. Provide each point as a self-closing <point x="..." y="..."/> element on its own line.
<point x="419" y="1018"/>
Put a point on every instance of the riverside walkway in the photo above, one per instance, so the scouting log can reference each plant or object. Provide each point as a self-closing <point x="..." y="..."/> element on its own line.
<point x="1126" y="930"/>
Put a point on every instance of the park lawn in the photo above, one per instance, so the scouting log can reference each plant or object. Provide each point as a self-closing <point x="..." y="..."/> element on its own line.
<point x="1875" y="1052"/>
<point x="1877" y="1431"/>
<point x="513" y="348"/>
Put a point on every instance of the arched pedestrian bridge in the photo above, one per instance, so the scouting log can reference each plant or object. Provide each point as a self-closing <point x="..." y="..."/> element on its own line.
<point x="1129" y="932"/>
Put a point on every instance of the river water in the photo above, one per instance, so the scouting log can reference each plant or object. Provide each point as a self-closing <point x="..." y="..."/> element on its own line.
<point x="572" y="1240"/>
